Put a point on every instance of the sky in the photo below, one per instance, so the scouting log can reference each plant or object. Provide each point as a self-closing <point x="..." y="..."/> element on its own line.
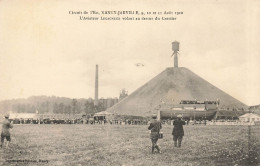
<point x="47" y="51"/>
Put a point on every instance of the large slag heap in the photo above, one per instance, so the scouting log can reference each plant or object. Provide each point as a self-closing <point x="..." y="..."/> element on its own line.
<point x="172" y="85"/>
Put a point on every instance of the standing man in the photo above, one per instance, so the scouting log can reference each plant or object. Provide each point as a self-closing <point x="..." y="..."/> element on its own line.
<point x="6" y="125"/>
<point x="178" y="131"/>
<point x="155" y="127"/>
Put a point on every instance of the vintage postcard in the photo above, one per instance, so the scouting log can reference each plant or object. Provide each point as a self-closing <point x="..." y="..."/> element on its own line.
<point x="114" y="82"/>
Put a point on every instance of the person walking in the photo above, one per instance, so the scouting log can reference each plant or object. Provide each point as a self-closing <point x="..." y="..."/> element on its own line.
<point x="178" y="131"/>
<point x="155" y="127"/>
<point x="6" y="125"/>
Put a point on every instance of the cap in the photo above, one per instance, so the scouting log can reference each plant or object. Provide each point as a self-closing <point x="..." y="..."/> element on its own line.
<point x="179" y="116"/>
<point x="6" y="115"/>
<point x="154" y="116"/>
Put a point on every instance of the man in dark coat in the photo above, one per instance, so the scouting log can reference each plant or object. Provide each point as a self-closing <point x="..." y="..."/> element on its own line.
<point x="178" y="131"/>
<point x="155" y="127"/>
<point x="6" y="125"/>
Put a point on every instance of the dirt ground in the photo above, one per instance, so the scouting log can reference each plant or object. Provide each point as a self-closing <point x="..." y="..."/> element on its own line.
<point x="130" y="145"/>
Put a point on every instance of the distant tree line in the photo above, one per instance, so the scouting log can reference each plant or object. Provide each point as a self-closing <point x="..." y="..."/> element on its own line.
<point x="53" y="104"/>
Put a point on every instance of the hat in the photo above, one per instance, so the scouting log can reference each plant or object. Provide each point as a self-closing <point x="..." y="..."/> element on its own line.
<point x="6" y="115"/>
<point x="179" y="116"/>
<point x="154" y="116"/>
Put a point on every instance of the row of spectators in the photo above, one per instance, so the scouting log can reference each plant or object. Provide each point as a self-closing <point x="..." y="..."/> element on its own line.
<point x="47" y="121"/>
<point x="119" y="122"/>
<point x="112" y="122"/>
<point x="78" y="121"/>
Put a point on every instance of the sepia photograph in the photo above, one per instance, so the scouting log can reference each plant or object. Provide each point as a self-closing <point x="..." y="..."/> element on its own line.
<point x="129" y="83"/>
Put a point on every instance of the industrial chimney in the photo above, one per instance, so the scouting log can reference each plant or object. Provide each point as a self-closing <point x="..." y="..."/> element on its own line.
<point x="96" y="87"/>
<point x="175" y="49"/>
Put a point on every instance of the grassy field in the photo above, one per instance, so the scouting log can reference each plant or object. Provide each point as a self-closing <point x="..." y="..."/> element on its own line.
<point x="129" y="145"/>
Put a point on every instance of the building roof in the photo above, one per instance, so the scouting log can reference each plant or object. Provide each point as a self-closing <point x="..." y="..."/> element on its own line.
<point x="227" y="113"/>
<point x="102" y="113"/>
<point x="43" y="116"/>
<point x="248" y="115"/>
<point x="23" y="116"/>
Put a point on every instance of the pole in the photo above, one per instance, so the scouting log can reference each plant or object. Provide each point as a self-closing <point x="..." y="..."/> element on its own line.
<point x="96" y="87"/>
<point x="249" y="138"/>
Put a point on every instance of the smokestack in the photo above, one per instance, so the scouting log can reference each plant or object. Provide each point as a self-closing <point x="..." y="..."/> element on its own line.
<point x="96" y="87"/>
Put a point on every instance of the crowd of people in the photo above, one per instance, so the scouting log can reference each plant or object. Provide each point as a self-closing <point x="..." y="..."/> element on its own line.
<point x="104" y="121"/>
<point x="80" y="121"/>
<point x="46" y="121"/>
